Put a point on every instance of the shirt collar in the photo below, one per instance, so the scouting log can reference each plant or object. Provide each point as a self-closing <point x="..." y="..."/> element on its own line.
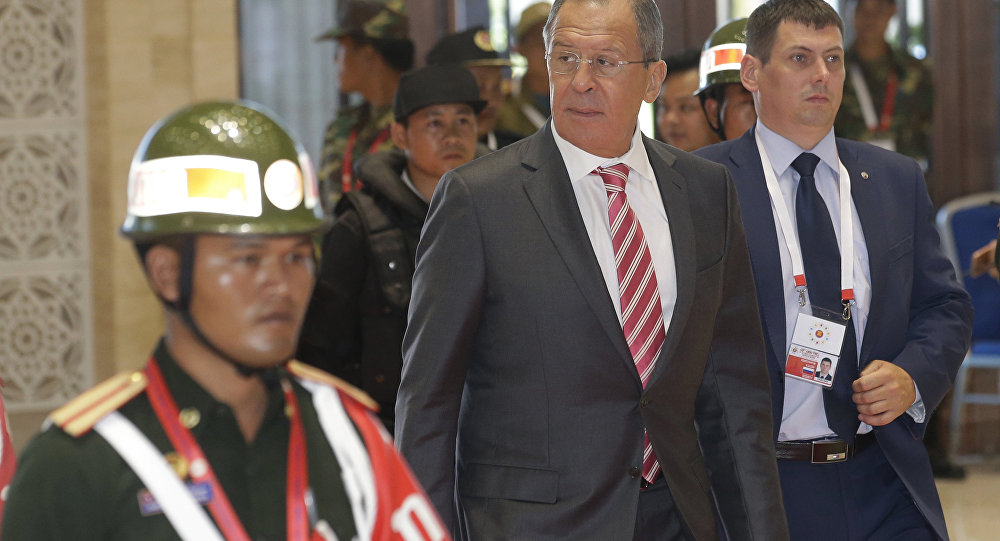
<point x="580" y="163"/>
<point x="405" y="177"/>
<point x="187" y="393"/>
<point x="782" y="152"/>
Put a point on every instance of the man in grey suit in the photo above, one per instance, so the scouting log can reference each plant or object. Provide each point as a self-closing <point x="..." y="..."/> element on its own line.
<point x="559" y="323"/>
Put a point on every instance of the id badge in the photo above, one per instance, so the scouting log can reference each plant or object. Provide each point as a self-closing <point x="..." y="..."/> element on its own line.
<point x="816" y="345"/>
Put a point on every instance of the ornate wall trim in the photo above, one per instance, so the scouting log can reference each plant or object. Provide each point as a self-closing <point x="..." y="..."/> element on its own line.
<point x="46" y="345"/>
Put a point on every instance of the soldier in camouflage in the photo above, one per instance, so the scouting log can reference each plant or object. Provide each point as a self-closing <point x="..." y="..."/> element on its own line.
<point x="373" y="51"/>
<point x="888" y="95"/>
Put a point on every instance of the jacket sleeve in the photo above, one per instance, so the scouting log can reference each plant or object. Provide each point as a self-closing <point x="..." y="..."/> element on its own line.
<point x="733" y="409"/>
<point x="940" y="312"/>
<point x="448" y="294"/>
<point x="331" y="333"/>
<point x="75" y="479"/>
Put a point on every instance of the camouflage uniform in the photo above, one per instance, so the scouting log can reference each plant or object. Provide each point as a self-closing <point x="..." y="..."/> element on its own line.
<point x="371" y="124"/>
<point x="912" y="117"/>
<point x="370" y="21"/>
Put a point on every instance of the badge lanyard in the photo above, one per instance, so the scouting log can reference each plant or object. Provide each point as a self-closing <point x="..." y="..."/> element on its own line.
<point x="791" y="237"/>
<point x="201" y="471"/>
<point x="346" y="175"/>
<point x="883" y="122"/>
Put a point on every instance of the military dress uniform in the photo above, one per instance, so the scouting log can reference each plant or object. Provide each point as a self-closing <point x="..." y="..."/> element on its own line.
<point x="357" y="130"/>
<point x="909" y="113"/>
<point x="73" y="484"/>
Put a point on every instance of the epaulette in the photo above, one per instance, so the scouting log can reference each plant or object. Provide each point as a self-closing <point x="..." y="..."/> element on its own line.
<point x="79" y="415"/>
<point x="311" y="373"/>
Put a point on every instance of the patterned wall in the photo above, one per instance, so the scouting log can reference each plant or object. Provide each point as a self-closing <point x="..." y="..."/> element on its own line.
<point x="45" y="298"/>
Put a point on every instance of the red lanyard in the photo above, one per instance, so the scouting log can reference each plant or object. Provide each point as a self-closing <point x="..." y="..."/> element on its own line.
<point x="346" y="175"/>
<point x="201" y="471"/>
<point x="889" y="103"/>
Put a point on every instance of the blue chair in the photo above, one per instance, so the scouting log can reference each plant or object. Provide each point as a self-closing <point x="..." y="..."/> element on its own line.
<point x="966" y="224"/>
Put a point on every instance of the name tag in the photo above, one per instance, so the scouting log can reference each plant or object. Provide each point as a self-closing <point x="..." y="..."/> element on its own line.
<point x="815" y="350"/>
<point x="148" y="506"/>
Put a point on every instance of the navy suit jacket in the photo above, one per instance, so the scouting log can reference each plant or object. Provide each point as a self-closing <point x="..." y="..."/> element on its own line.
<point x="920" y="317"/>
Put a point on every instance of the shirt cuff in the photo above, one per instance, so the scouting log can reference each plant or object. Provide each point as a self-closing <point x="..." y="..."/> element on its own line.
<point x="917" y="410"/>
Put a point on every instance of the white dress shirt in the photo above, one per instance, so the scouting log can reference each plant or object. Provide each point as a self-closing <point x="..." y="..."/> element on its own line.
<point x="644" y="198"/>
<point x="803" y="416"/>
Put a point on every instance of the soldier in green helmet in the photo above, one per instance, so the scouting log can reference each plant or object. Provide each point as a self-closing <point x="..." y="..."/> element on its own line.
<point x="219" y="435"/>
<point x="728" y="106"/>
<point x="373" y="51"/>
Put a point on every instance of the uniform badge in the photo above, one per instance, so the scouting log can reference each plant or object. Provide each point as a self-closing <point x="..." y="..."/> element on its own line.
<point x="148" y="506"/>
<point x="482" y="40"/>
<point x="177" y="463"/>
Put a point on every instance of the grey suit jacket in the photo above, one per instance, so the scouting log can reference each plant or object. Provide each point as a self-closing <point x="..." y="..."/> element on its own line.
<point x="520" y="409"/>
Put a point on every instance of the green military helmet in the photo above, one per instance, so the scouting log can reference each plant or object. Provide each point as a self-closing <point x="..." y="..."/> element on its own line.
<point x="221" y="167"/>
<point x="722" y="54"/>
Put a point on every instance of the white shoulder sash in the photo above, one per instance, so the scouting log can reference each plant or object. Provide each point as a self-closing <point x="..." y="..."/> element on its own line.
<point x="184" y="513"/>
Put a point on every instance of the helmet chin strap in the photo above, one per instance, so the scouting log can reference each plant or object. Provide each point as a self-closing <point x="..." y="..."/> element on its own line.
<point x="718" y="128"/>
<point x="268" y="375"/>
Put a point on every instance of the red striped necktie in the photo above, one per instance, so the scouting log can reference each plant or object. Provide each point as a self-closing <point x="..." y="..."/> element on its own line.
<point x="642" y="314"/>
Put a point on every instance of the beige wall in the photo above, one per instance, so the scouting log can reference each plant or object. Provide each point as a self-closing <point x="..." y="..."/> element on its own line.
<point x="144" y="59"/>
<point x="141" y="60"/>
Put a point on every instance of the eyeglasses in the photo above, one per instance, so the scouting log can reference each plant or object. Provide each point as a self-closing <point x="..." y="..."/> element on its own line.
<point x="567" y="62"/>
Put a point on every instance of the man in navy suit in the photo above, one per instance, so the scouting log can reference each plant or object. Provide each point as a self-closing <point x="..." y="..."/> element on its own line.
<point x="852" y="450"/>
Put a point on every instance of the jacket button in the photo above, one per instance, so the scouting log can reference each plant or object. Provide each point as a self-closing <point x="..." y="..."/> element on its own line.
<point x="634" y="472"/>
<point x="643" y="402"/>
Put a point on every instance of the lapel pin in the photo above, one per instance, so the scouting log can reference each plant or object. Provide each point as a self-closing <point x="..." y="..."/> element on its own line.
<point x="864" y="175"/>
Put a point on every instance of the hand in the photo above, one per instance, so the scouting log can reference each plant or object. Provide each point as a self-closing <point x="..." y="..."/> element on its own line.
<point x="983" y="261"/>
<point x="883" y="392"/>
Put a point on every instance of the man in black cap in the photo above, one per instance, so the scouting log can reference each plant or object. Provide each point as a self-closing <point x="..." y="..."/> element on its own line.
<point x="373" y="51"/>
<point x="472" y="49"/>
<point x="354" y="327"/>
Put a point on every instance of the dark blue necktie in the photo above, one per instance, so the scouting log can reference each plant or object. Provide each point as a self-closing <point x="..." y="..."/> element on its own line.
<point x="821" y="257"/>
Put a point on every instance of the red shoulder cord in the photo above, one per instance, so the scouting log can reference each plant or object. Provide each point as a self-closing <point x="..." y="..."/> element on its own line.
<point x="346" y="175"/>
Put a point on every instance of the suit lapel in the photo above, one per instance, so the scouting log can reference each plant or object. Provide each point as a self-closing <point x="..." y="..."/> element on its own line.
<point x="762" y="241"/>
<point x="675" y="202"/>
<point x="868" y="202"/>
<point x="550" y="191"/>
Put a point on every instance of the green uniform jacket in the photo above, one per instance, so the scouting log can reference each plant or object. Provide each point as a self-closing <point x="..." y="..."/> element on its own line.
<point x="913" y="113"/>
<point x="511" y="116"/>
<point x="80" y="488"/>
